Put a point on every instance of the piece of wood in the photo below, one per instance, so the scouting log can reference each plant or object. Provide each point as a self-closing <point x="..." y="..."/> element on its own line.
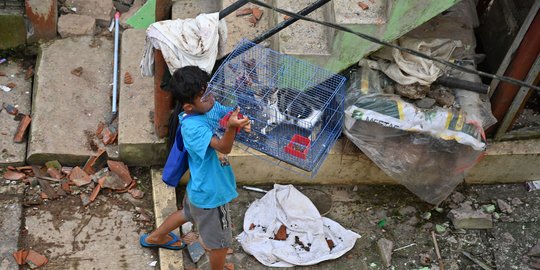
<point x="46" y="187"/>
<point x="439" y="259"/>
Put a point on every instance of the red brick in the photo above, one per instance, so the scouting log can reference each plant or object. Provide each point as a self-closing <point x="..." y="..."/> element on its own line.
<point x="11" y="175"/>
<point x="257" y="13"/>
<point x="79" y="177"/>
<point x="243" y="12"/>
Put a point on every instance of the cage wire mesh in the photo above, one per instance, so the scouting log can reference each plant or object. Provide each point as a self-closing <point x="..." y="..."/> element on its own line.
<point x="296" y="108"/>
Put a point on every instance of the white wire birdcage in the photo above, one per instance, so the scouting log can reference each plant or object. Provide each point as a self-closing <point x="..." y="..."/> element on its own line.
<point x="296" y="108"/>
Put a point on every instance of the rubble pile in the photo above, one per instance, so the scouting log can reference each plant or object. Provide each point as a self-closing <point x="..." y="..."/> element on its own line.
<point x="53" y="181"/>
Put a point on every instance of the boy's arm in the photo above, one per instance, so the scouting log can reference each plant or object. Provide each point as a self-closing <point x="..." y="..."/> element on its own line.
<point x="225" y="144"/>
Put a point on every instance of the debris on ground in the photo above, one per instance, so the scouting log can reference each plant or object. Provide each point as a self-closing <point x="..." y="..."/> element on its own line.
<point x="467" y="218"/>
<point x="30" y="257"/>
<point x="20" y="134"/>
<point x="385" y="250"/>
<point x="128" y="79"/>
<point x="363" y="5"/>
<point x="77" y="71"/>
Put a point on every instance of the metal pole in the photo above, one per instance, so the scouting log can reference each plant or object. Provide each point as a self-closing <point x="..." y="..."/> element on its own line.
<point x="115" y="70"/>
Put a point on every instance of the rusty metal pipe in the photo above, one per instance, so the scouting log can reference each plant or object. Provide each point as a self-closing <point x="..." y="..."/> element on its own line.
<point x="519" y="67"/>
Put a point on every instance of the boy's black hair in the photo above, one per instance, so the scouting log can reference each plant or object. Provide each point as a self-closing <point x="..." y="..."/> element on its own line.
<point x="185" y="84"/>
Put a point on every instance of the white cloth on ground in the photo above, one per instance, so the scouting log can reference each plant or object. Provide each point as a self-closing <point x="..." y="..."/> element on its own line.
<point x="406" y="68"/>
<point x="187" y="42"/>
<point x="307" y="231"/>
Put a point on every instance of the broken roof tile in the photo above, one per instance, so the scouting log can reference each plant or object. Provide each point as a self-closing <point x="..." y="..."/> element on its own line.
<point x="12" y="175"/>
<point x="121" y="170"/>
<point x="54" y="173"/>
<point x="35" y="260"/>
<point x="79" y="177"/>
<point x="242" y="12"/>
<point x="20" y="256"/>
<point x="22" y="128"/>
<point x="95" y="192"/>
<point x="257" y="13"/>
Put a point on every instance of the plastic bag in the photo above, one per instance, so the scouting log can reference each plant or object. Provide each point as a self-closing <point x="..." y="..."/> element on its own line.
<point x="427" y="151"/>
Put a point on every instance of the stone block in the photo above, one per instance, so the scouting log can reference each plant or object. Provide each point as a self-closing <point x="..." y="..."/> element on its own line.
<point x="101" y="10"/>
<point x="76" y="25"/>
<point x="67" y="108"/>
<point x="138" y="143"/>
<point x="185" y="9"/>
<point x="464" y="218"/>
<point x="42" y="17"/>
<point x="12" y="153"/>
<point x="12" y="30"/>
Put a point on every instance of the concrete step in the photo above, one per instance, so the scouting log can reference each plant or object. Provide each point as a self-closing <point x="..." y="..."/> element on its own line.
<point x="66" y="108"/>
<point x="137" y="142"/>
<point x="305" y="38"/>
<point x="13" y="153"/>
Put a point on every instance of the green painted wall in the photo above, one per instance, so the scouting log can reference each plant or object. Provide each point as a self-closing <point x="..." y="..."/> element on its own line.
<point x="405" y="15"/>
<point x="12" y="31"/>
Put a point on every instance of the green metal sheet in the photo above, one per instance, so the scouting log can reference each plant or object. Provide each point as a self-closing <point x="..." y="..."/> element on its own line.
<point x="145" y="16"/>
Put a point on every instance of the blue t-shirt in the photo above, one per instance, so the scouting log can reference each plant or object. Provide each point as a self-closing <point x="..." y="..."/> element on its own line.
<point x="211" y="184"/>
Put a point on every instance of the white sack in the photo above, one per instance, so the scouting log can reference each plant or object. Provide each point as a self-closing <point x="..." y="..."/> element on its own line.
<point x="286" y="205"/>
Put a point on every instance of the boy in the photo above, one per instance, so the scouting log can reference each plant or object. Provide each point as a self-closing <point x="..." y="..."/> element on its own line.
<point x="212" y="184"/>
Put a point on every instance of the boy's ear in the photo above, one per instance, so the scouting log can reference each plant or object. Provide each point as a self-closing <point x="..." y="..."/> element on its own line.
<point x="188" y="107"/>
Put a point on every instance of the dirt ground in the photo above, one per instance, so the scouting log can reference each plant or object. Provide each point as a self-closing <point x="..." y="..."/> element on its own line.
<point x="105" y="233"/>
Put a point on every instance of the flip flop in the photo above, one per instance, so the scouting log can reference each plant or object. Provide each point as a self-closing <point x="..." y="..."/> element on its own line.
<point x="168" y="245"/>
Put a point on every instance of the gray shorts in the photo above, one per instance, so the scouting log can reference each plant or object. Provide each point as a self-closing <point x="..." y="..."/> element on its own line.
<point x="213" y="224"/>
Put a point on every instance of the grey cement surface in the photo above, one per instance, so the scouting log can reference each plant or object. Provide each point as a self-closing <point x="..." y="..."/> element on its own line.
<point x="138" y="143"/>
<point x="348" y="12"/>
<point x="10" y="223"/>
<point x="66" y="108"/>
<point x="305" y="38"/>
<point x="104" y="235"/>
<point x="185" y="9"/>
<point x="101" y="10"/>
<point x="13" y="153"/>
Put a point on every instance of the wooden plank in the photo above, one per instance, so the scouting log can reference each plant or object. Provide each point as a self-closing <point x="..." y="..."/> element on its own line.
<point x="164" y="205"/>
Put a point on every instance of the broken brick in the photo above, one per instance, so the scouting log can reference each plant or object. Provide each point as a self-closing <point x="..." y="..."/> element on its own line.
<point x="281" y="234"/>
<point x="96" y="163"/>
<point x="257" y="13"/>
<point x="20" y="256"/>
<point x="286" y="17"/>
<point x="66" y="187"/>
<point x="99" y="129"/>
<point x="229" y="266"/>
<point x="464" y="218"/>
<point x="35" y="260"/>
<point x="79" y="177"/>
<point x="43" y="196"/>
<point x="24" y="168"/>
<point x="11" y="175"/>
<point x="66" y="170"/>
<point x="77" y="71"/>
<point x="109" y="137"/>
<point x="243" y="12"/>
<point x="54" y="173"/>
<point x="11" y="85"/>
<point x="251" y="227"/>
<point x="128" y="79"/>
<point x="120" y="169"/>
<point x="95" y="192"/>
<point x="330" y="243"/>
<point x="252" y="20"/>
<point x="363" y="5"/>
<point x="10" y="109"/>
<point x="136" y="193"/>
<point x="21" y="129"/>
<point x="2" y="74"/>
<point x="113" y="182"/>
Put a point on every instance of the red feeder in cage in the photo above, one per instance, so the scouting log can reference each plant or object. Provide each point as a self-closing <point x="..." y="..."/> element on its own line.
<point x="298" y="146"/>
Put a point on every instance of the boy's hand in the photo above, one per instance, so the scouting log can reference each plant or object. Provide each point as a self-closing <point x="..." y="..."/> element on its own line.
<point x="247" y="128"/>
<point x="235" y="122"/>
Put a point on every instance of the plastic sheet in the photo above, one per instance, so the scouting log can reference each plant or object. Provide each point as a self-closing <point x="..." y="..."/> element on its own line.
<point x="426" y="150"/>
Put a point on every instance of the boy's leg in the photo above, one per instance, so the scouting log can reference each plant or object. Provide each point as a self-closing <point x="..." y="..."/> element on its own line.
<point x="161" y="234"/>
<point x="217" y="258"/>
